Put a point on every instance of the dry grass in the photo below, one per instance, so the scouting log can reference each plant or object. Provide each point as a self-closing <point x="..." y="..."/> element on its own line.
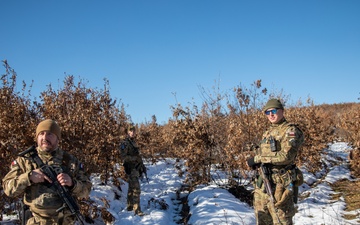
<point x="349" y="191"/>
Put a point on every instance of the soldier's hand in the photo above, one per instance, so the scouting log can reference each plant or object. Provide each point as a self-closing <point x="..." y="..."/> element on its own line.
<point x="64" y="179"/>
<point x="251" y="163"/>
<point x="36" y="176"/>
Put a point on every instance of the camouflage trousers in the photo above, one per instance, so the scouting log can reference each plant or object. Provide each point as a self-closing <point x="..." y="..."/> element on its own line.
<point x="267" y="214"/>
<point x="133" y="195"/>
<point x="39" y="220"/>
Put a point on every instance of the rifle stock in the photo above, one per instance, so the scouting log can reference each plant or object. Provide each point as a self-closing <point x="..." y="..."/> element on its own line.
<point x="63" y="192"/>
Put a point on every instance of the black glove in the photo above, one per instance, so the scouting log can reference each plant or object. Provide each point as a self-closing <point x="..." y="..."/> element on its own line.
<point x="251" y="163"/>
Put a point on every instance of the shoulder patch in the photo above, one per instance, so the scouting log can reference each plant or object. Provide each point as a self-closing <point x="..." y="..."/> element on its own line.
<point x="291" y="133"/>
<point x="294" y="135"/>
<point x="14" y="164"/>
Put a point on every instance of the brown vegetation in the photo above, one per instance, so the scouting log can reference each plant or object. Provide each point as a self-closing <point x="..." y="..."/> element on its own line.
<point x="348" y="190"/>
<point x="221" y="132"/>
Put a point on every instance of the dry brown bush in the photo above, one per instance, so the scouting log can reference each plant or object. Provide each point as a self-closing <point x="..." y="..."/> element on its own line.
<point x="220" y="133"/>
<point x="17" y="119"/>
<point x="315" y="123"/>
<point x="90" y="121"/>
<point x="191" y="140"/>
<point x="150" y="140"/>
<point x="347" y="129"/>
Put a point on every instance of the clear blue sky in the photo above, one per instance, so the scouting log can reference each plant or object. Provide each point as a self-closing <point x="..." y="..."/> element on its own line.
<point x="151" y="49"/>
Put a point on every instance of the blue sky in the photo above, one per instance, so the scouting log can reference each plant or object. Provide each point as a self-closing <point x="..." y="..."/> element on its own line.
<point x="158" y="53"/>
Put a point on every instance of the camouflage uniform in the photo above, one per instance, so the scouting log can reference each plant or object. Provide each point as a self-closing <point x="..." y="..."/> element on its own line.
<point x="132" y="162"/>
<point x="281" y="163"/>
<point x="42" y="198"/>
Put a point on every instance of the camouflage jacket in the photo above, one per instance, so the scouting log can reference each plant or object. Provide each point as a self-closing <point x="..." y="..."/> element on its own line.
<point x="42" y="197"/>
<point x="287" y="140"/>
<point x="129" y="151"/>
<point x="130" y="155"/>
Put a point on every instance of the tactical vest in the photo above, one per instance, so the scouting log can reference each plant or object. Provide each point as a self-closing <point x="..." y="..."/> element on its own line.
<point x="42" y="198"/>
<point x="129" y="151"/>
<point x="278" y="140"/>
<point x="279" y="148"/>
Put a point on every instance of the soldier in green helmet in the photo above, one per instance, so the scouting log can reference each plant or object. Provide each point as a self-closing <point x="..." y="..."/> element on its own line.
<point x="277" y="152"/>
<point x="132" y="163"/>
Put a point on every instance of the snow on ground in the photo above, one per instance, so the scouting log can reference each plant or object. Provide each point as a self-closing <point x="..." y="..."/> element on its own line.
<point x="317" y="207"/>
<point x="212" y="205"/>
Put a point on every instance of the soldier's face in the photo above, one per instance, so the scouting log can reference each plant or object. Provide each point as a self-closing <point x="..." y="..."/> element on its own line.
<point x="47" y="141"/>
<point x="274" y="115"/>
<point x="132" y="133"/>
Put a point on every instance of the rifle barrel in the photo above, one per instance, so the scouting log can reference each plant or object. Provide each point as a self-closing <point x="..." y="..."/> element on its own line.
<point x="29" y="150"/>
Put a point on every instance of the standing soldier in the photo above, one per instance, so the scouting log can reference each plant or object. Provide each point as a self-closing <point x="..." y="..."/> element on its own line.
<point x="276" y="186"/>
<point x="25" y="177"/>
<point x="132" y="163"/>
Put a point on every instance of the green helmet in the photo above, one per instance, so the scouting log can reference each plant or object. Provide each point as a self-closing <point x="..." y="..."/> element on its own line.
<point x="131" y="126"/>
<point x="273" y="103"/>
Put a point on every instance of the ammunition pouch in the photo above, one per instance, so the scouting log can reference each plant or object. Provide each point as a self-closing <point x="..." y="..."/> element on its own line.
<point x="283" y="175"/>
<point x="296" y="176"/>
<point x="299" y="177"/>
<point x="281" y="170"/>
<point x="285" y="196"/>
<point x="279" y="190"/>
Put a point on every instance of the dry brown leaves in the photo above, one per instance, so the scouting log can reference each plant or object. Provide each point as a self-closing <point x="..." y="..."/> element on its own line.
<point x="219" y="134"/>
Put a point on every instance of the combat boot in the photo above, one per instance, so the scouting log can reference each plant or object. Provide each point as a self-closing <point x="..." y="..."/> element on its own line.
<point x="130" y="208"/>
<point x="139" y="213"/>
<point x="137" y="210"/>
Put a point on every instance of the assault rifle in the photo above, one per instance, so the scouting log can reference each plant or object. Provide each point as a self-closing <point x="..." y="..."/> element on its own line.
<point x="142" y="170"/>
<point x="62" y="191"/>
<point x="265" y="175"/>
